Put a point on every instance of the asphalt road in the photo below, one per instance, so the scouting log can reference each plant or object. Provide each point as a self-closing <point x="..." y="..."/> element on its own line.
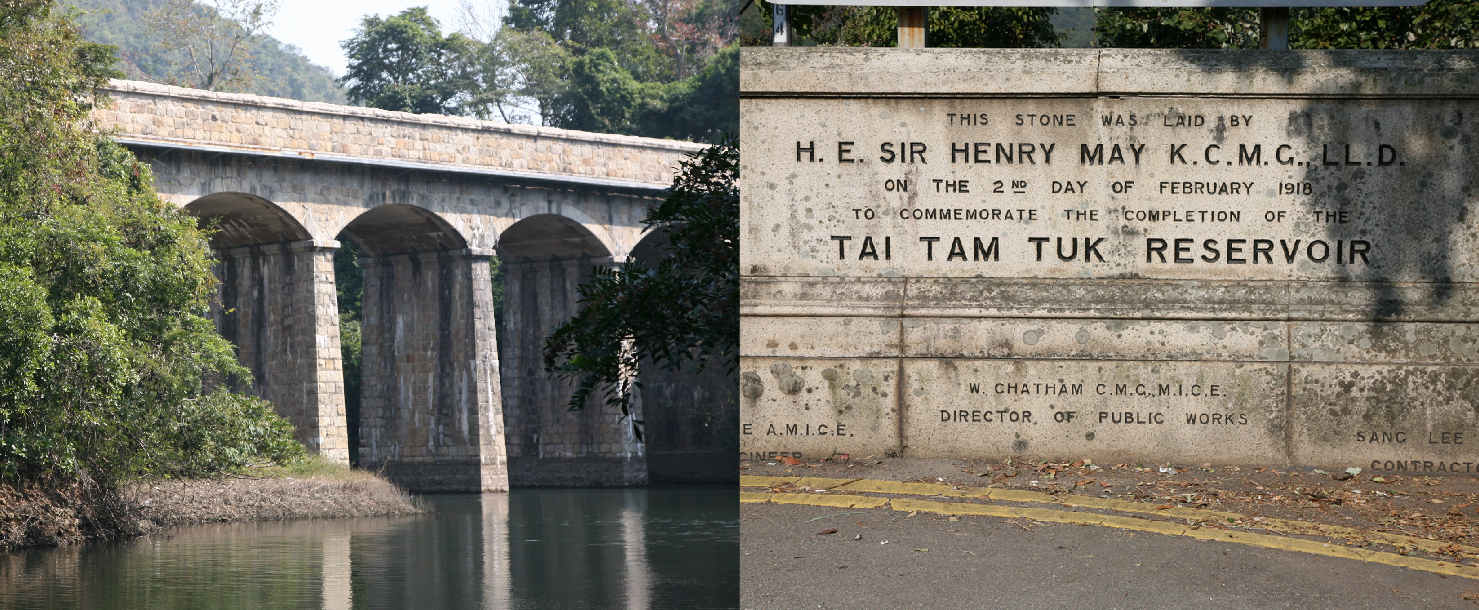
<point x="930" y="561"/>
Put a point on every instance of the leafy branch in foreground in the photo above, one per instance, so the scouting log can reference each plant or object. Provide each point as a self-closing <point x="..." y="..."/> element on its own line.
<point x="684" y="310"/>
<point x="104" y="290"/>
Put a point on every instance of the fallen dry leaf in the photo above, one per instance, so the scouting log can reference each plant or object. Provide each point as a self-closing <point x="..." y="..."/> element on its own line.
<point x="790" y="461"/>
<point x="825" y="532"/>
<point x="1163" y="507"/>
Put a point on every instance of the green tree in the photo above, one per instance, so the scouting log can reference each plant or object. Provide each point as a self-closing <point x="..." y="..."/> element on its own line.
<point x="1178" y="28"/>
<point x="878" y="26"/>
<point x="349" y="282"/>
<point x="684" y="310"/>
<point x="1439" y="24"/>
<point x="404" y="63"/>
<point x="648" y="68"/>
<point x="601" y="96"/>
<point x="216" y="38"/>
<point x="104" y="290"/>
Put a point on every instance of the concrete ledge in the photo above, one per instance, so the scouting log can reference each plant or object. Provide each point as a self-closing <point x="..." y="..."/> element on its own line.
<point x="1114" y="298"/>
<point x="1018" y="73"/>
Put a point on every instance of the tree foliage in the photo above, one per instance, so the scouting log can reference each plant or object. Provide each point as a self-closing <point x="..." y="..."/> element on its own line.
<point x="683" y="310"/>
<point x="104" y="289"/>
<point x="216" y="38"/>
<point x="1178" y="28"/>
<point x="1439" y="24"/>
<point x="405" y="63"/>
<point x="662" y="68"/>
<point x="878" y="26"/>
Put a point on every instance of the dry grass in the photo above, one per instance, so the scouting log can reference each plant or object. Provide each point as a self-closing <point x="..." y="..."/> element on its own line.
<point x="310" y="489"/>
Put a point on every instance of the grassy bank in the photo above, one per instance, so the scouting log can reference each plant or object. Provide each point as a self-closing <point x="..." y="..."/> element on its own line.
<point x="38" y="516"/>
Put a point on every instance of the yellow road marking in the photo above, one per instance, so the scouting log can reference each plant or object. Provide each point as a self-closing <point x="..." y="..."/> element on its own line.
<point x="1282" y="543"/>
<point x="1200" y="533"/>
<point x="838" y="501"/>
<point x="754" y="481"/>
<point x="1034" y="497"/>
<point x="900" y="487"/>
<point x="822" y="483"/>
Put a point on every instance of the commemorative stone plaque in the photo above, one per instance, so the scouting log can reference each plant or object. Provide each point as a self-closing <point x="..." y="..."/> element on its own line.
<point x="1234" y="257"/>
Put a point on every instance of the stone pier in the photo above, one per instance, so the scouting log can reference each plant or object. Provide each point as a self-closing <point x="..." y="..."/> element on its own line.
<point x="430" y="411"/>
<point x="546" y="443"/>
<point x="278" y="307"/>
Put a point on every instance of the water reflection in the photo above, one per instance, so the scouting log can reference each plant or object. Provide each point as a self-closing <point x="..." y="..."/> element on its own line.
<point x="644" y="549"/>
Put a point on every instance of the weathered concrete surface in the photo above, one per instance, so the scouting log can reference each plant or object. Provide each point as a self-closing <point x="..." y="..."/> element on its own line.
<point x="428" y="199"/>
<point x="1128" y="228"/>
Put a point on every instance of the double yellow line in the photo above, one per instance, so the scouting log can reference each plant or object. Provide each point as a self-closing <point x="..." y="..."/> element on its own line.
<point x="1199" y="524"/>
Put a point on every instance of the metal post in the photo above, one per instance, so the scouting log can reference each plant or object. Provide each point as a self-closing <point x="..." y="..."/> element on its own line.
<point x="914" y="27"/>
<point x="782" y="23"/>
<point x="1273" y="31"/>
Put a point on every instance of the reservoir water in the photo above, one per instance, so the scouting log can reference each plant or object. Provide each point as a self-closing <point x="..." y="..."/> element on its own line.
<point x="545" y="549"/>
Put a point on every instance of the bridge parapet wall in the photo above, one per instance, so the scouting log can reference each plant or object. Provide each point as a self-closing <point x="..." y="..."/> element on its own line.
<point x="164" y="114"/>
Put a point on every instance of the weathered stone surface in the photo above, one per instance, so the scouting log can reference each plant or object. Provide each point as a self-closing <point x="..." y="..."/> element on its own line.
<point x="431" y="414"/>
<point x="548" y="444"/>
<point x="1397" y="418"/>
<point x="1228" y="412"/>
<point x="427" y="199"/>
<point x="306" y="129"/>
<point x="278" y="308"/>
<point x="1295" y="228"/>
<point x="815" y="407"/>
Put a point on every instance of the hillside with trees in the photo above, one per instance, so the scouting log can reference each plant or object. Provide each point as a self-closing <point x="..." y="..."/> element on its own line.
<point x="150" y="51"/>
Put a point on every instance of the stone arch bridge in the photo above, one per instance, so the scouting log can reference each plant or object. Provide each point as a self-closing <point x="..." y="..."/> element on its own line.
<point x="453" y="397"/>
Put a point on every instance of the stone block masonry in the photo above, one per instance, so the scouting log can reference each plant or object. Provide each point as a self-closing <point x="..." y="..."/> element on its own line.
<point x="428" y="199"/>
<point x="1149" y="256"/>
<point x="161" y="113"/>
<point x="545" y="443"/>
<point x="278" y="307"/>
<point x="433" y="416"/>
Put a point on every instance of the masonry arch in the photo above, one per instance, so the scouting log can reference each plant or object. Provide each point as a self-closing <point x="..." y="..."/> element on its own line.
<point x="275" y="304"/>
<point x="544" y="258"/>
<point x="244" y="219"/>
<point x="566" y="220"/>
<point x="428" y="412"/>
<point x="398" y="228"/>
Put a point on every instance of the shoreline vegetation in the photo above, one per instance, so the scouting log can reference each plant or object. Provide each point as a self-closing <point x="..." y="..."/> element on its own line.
<point x="39" y="515"/>
<point x="112" y="371"/>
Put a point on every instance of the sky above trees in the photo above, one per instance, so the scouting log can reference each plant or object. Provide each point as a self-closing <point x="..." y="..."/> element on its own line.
<point x="318" y="27"/>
